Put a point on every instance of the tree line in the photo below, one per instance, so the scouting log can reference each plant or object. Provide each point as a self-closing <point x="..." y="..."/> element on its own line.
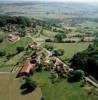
<point x="4" y="20"/>
<point x="87" y="60"/>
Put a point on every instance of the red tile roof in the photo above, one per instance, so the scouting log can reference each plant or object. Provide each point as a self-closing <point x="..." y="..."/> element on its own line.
<point x="26" y="68"/>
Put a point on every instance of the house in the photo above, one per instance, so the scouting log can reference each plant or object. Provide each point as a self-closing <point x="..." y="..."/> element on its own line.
<point x="38" y="59"/>
<point x="60" y="66"/>
<point x="28" y="30"/>
<point x="46" y="60"/>
<point x="13" y="37"/>
<point x="26" y="68"/>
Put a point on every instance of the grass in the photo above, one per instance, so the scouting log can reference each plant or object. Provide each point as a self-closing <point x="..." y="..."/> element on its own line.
<point x="70" y="48"/>
<point x="61" y="90"/>
<point x="10" y="89"/>
<point x="49" y="33"/>
<point x="10" y="47"/>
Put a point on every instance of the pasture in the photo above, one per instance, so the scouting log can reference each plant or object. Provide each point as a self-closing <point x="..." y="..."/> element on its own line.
<point x="49" y="34"/>
<point x="10" y="48"/>
<point x="70" y="48"/>
<point x="61" y="90"/>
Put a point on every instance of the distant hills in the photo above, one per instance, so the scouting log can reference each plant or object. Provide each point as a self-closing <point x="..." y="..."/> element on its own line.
<point x="49" y="10"/>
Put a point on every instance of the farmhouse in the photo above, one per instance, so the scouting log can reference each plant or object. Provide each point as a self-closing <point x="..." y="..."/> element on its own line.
<point x="29" y="30"/>
<point x="25" y="70"/>
<point x="60" y="66"/>
<point x="13" y="37"/>
<point x="46" y="60"/>
<point x="38" y="55"/>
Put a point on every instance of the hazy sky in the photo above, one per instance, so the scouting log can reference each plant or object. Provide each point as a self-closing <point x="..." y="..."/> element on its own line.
<point x="55" y="0"/>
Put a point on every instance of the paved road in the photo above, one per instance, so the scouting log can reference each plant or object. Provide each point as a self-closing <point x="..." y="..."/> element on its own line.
<point x="91" y="81"/>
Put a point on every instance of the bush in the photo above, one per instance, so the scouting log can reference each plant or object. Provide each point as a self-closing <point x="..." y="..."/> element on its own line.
<point x="15" y="20"/>
<point x="2" y="53"/>
<point x="39" y="67"/>
<point x="58" y="52"/>
<point x="1" y="40"/>
<point x="60" y="37"/>
<point x="31" y="84"/>
<point x="48" y="40"/>
<point x="20" y="49"/>
<point x="79" y="74"/>
<point x="22" y="33"/>
<point x="49" y="47"/>
<point x="43" y="98"/>
<point x="76" y="75"/>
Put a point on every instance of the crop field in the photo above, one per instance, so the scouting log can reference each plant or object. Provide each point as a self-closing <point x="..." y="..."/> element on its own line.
<point x="10" y="89"/>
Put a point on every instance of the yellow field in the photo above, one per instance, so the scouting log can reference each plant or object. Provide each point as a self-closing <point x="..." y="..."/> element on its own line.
<point x="10" y="89"/>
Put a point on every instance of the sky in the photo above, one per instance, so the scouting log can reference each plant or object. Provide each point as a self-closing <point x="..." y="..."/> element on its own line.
<point x="54" y="0"/>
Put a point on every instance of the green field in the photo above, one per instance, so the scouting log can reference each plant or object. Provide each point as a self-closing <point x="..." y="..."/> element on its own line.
<point x="48" y="20"/>
<point x="70" y="48"/>
<point x="49" y="34"/>
<point x="10" y="47"/>
<point x="61" y="90"/>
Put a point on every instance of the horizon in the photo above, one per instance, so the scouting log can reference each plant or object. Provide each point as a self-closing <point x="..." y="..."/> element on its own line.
<point x="74" y="1"/>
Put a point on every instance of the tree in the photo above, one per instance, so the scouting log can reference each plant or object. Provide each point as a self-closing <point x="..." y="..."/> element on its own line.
<point x="43" y="98"/>
<point x="22" y="33"/>
<point x="79" y="74"/>
<point x="49" y="47"/>
<point x="31" y="84"/>
<point x="58" y="52"/>
<point x="60" y="37"/>
<point x="2" y="53"/>
<point x="1" y="40"/>
<point x="90" y="47"/>
<point x="76" y="75"/>
<point x="48" y="40"/>
<point x="39" y="67"/>
<point x="24" y="21"/>
<point x="87" y="61"/>
<point x="79" y="61"/>
<point x="20" y="49"/>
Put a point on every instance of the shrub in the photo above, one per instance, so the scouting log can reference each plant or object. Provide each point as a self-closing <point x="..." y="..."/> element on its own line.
<point x="60" y="37"/>
<point x="49" y="47"/>
<point x="58" y="52"/>
<point x="79" y="74"/>
<point x="31" y="84"/>
<point x="48" y="40"/>
<point x="1" y="40"/>
<point x="2" y="53"/>
<point x="76" y="75"/>
<point x="20" y="49"/>
<point x="39" y="67"/>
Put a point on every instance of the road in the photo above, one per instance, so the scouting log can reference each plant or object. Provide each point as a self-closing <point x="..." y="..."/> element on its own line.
<point x="49" y="53"/>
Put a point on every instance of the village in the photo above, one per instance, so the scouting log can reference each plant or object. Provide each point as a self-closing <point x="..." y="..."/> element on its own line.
<point x="33" y="67"/>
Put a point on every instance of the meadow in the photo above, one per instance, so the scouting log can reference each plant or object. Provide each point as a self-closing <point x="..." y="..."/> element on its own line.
<point x="69" y="16"/>
<point x="11" y="48"/>
<point x="61" y="90"/>
<point x="70" y="48"/>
